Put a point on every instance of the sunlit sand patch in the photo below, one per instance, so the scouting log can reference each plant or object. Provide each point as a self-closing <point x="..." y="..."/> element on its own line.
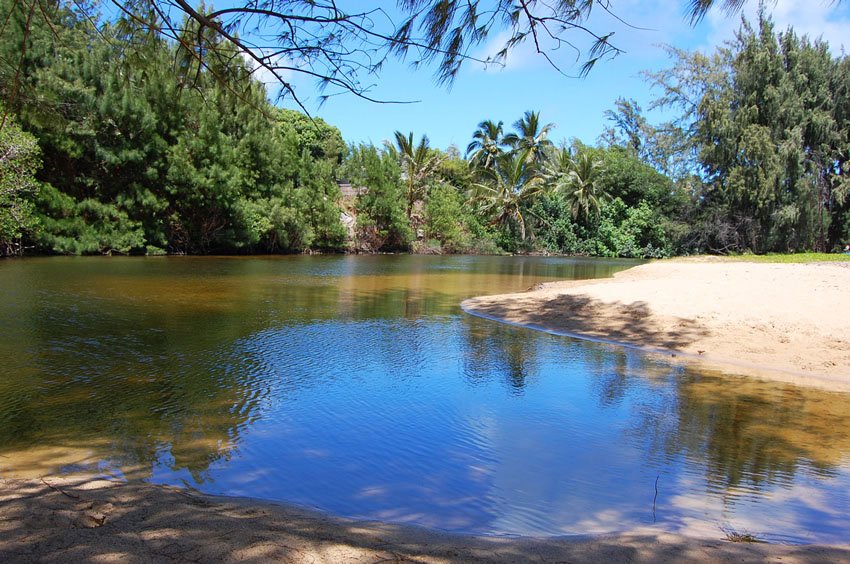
<point x="44" y="460"/>
<point x="781" y="321"/>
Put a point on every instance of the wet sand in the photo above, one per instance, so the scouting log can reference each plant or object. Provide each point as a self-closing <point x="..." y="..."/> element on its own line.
<point x="76" y="520"/>
<point x="788" y="322"/>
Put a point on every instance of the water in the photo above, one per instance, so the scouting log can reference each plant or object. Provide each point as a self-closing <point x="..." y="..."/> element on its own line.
<point x="357" y="386"/>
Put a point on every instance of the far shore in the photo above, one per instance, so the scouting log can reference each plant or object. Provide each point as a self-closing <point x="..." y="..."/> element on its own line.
<point x="788" y="322"/>
<point x="56" y="519"/>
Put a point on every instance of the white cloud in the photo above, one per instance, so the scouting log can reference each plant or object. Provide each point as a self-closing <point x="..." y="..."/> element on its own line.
<point x="521" y="57"/>
<point x="817" y="19"/>
<point x="267" y="77"/>
<point x="263" y="74"/>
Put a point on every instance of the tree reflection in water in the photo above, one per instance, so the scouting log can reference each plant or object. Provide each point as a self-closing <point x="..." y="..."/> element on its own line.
<point x="743" y="431"/>
<point x="357" y="385"/>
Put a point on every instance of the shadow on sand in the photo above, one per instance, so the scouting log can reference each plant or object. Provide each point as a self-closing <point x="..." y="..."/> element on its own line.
<point x="581" y="316"/>
<point x="62" y="519"/>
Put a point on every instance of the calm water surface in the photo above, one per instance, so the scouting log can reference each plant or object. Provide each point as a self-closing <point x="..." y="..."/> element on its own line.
<point x="357" y="386"/>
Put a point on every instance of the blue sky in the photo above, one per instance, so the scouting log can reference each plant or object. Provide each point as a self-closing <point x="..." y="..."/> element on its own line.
<point x="576" y="106"/>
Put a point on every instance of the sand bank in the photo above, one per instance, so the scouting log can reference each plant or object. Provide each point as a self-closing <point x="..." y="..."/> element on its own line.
<point x="65" y="520"/>
<point x="788" y="322"/>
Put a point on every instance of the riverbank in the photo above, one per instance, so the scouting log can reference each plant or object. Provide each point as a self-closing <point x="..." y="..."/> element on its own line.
<point x="786" y="322"/>
<point x="85" y="520"/>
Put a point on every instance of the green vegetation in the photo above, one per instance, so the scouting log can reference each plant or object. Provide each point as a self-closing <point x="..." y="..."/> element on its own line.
<point x="733" y="535"/>
<point x="795" y="257"/>
<point x="145" y="150"/>
<point x="769" y="129"/>
<point x="18" y="187"/>
<point x="114" y="140"/>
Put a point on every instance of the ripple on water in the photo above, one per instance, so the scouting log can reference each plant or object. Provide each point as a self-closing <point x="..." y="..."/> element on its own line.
<point x="356" y="386"/>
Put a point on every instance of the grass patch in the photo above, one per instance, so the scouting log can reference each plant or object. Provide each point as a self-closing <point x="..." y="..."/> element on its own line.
<point x="793" y="258"/>
<point x="739" y="536"/>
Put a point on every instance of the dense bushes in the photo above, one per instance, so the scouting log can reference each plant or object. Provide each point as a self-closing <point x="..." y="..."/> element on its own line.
<point x="19" y="161"/>
<point x="149" y="153"/>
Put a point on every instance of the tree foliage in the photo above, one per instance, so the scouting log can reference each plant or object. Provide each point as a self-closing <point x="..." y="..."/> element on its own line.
<point x="445" y="218"/>
<point x="343" y="46"/>
<point x="579" y="179"/>
<point x="382" y="222"/>
<point x="531" y="138"/>
<point x="154" y="136"/>
<point x="418" y="163"/>
<point x="507" y="189"/>
<point x="487" y="145"/>
<point x="770" y="139"/>
<point x="19" y="162"/>
<point x="147" y="151"/>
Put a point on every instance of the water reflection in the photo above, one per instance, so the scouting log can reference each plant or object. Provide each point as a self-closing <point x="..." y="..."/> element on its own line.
<point x="754" y="433"/>
<point x="355" y="384"/>
<point x="497" y="351"/>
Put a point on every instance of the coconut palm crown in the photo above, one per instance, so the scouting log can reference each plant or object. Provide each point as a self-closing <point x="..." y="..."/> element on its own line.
<point x="530" y="137"/>
<point x="487" y="145"/>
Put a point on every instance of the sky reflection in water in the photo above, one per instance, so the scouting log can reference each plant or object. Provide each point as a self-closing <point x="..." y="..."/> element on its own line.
<point x="356" y="385"/>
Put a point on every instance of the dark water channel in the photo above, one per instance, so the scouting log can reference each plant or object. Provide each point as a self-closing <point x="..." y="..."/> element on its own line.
<point x="357" y="385"/>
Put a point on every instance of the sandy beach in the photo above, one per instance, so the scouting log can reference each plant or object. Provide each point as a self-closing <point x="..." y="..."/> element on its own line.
<point x="90" y="520"/>
<point x="787" y="322"/>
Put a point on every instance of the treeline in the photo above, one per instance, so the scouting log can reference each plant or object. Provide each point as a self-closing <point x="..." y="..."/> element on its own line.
<point x="764" y="130"/>
<point x="117" y="141"/>
<point x="144" y="150"/>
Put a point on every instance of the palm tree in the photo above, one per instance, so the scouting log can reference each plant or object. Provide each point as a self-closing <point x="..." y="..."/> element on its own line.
<point x="579" y="179"/>
<point x="510" y="185"/>
<point x="486" y="146"/>
<point x="418" y="163"/>
<point x="530" y="137"/>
